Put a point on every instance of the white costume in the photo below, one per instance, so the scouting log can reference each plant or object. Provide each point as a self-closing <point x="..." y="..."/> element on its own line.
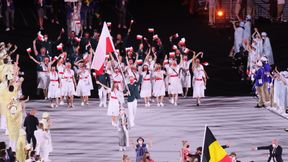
<point x="42" y="146"/>
<point x="84" y="84"/>
<point x="68" y="84"/>
<point x="115" y="102"/>
<point x="60" y="70"/>
<point x="238" y="38"/>
<point x="267" y="51"/>
<point x="175" y="86"/>
<point x="198" y="82"/>
<point x="43" y="77"/>
<point x="247" y="30"/>
<point x="185" y="74"/>
<point x="159" y="85"/>
<point x="53" y="89"/>
<point x="146" y="87"/>
<point x="117" y="78"/>
<point x="75" y="23"/>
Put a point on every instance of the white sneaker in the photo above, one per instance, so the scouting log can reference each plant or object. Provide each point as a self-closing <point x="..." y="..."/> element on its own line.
<point x="46" y="98"/>
<point x="172" y="101"/>
<point x="87" y="103"/>
<point x="148" y="104"/>
<point x="158" y="104"/>
<point x="61" y="103"/>
<point x="161" y="104"/>
<point x="82" y="103"/>
<point x="120" y="149"/>
<point x="105" y="105"/>
<point x="52" y="105"/>
<point x="175" y="104"/>
<point x="100" y="105"/>
<point x="7" y="29"/>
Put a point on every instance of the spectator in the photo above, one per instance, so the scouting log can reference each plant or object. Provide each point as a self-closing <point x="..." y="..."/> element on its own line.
<point x="6" y="154"/>
<point x="41" y="13"/>
<point x="125" y="158"/>
<point x="86" y="14"/>
<point x="30" y="123"/>
<point x="147" y="158"/>
<point x="234" y="157"/>
<point x="184" y="151"/>
<point x="121" y="6"/>
<point x="75" y="19"/>
<point x="9" y="9"/>
<point x="280" y="9"/>
<point x="68" y="10"/>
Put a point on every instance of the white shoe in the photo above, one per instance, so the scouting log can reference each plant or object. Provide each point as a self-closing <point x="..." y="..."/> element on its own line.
<point x="87" y="103"/>
<point x="100" y="105"/>
<point x="56" y="105"/>
<point x="120" y="149"/>
<point x="7" y="29"/>
<point x="175" y="104"/>
<point x="61" y="103"/>
<point x="82" y="103"/>
<point x="52" y="105"/>
<point x="161" y="104"/>
<point x="148" y="104"/>
<point x="158" y="104"/>
<point x="105" y="105"/>
<point x="46" y="98"/>
<point x="172" y="101"/>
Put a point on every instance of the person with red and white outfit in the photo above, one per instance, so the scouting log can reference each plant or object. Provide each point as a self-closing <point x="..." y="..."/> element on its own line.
<point x="159" y="85"/>
<point x="175" y="86"/>
<point x="69" y="85"/>
<point x="54" y="87"/>
<point x="146" y="87"/>
<point x="199" y="81"/>
<point x="116" y="101"/>
<point x="83" y="88"/>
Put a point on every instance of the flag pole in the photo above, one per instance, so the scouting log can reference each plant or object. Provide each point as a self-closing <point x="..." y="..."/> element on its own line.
<point x="203" y="142"/>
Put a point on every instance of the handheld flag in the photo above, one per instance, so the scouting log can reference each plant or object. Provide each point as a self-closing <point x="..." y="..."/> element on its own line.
<point x="212" y="150"/>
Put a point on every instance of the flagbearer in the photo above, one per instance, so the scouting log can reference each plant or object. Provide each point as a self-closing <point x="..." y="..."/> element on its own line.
<point x="133" y="95"/>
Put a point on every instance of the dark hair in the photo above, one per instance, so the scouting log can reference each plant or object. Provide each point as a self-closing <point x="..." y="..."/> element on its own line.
<point x="11" y="88"/>
<point x="199" y="149"/>
<point x="2" y="153"/>
<point x="140" y="138"/>
<point x="5" y="61"/>
<point x="2" y="145"/>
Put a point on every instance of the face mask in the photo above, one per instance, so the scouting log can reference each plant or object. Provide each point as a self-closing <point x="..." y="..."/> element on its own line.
<point x="131" y="81"/>
<point x="274" y="145"/>
<point x="150" y="60"/>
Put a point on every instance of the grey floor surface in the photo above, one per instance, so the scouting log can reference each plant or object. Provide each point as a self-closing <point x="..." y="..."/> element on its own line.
<point x="85" y="133"/>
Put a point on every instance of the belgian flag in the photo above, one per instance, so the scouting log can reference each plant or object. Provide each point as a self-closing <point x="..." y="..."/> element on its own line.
<point x="212" y="150"/>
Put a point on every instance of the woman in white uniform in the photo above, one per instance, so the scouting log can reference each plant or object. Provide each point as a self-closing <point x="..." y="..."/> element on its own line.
<point x="69" y="85"/>
<point x="60" y="69"/>
<point x="185" y="74"/>
<point x="54" y="87"/>
<point x="199" y="81"/>
<point x="159" y="85"/>
<point x="116" y="101"/>
<point x="146" y="87"/>
<point x="175" y="85"/>
<point x="84" y="84"/>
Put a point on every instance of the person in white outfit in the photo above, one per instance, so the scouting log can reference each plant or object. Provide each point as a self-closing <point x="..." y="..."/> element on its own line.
<point x="83" y="88"/>
<point x="185" y="73"/>
<point x="54" y="87"/>
<point x="174" y="81"/>
<point x="238" y="36"/>
<point x="116" y="101"/>
<point x="159" y="84"/>
<point x="146" y="87"/>
<point x="69" y="85"/>
<point x="46" y="127"/>
<point x="60" y="69"/>
<point x="42" y="138"/>
<point x="267" y="49"/>
<point x="199" y="81"/>
<point x="247" y="29"/>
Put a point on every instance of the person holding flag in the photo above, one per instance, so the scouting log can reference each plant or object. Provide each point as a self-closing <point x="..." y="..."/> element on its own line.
<point x="212" y="150"/>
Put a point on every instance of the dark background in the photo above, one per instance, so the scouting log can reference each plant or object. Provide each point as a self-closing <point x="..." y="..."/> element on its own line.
<point x="167" y="17"/>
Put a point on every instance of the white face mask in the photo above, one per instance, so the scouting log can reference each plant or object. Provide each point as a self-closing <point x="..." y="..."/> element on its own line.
<point x="274" y="145"/>
<point x="150" y="60"/>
